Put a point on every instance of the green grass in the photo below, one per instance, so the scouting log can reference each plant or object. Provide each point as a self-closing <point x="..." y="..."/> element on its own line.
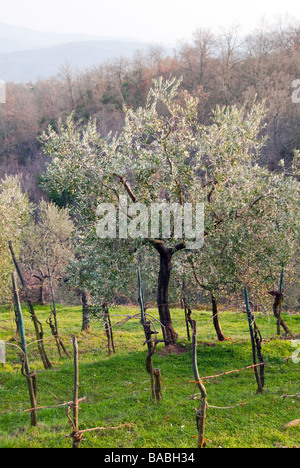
<point x="118" y="388"/>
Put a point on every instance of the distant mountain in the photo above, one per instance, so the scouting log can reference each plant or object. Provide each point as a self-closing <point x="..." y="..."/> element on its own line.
<point x="16" y="39"/>
<point x="27" y="66"/>
<point x="26" y="56"/>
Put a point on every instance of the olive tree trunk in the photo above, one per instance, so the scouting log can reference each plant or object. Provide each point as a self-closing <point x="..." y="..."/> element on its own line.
<point x="216" y="318"/>
<point x="166" y="255"/>
<point x="86" y="316"/>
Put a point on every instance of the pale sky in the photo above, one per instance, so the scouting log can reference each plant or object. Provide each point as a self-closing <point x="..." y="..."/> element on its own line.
<point x="151" y="20"/>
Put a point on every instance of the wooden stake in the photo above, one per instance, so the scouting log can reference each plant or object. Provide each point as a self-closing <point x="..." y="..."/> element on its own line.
<point x="280" y="303"/>
<point x="37" y="325"/>
<point x="54" y="328"/>
<point x="253" y="335"/>
<point x="184" y="306"/>
<point x="76" y="436"/>
<point x="31" y="378"/>
<point x="108" y="330"/>
<point x="201" y="413"/>
<point x="154" y="373"/>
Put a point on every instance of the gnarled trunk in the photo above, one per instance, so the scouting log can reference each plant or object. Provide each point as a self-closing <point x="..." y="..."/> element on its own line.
<point x="278" y="299"/>
<point x="41" y="299"/>
<point x="86" y="316"/>
<point x="41" y="277"/>
<point x="216" y="319"/>
<point x="170" y="336"/>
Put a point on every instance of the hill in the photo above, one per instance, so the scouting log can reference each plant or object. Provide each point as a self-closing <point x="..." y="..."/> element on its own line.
<point x="31" y="65"/>
<point x="26" y="56"/>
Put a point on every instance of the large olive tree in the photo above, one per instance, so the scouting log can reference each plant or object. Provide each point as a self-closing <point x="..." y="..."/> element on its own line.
<point x="154" y="159"/>
<point x="161" y="155"/>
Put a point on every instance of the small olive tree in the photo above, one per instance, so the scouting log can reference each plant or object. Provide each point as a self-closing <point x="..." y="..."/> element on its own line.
<point x="15" y="214"/>
<point x="47" y="246"/>
<point x="253" y="244"/>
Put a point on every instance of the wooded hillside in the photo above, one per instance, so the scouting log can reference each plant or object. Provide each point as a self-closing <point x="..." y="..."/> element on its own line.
<point x="223" y="69"/>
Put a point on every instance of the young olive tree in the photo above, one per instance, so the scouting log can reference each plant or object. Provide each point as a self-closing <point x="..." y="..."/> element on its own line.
<point x="47" y="246"/>
<point x="253" y="244"/>
<point x="15" y="214"/>
<point x="271" y="264"/>
<point x="103" y="272"/>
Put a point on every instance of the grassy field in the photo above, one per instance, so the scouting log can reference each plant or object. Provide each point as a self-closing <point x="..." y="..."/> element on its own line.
<point x="118" y="388"/>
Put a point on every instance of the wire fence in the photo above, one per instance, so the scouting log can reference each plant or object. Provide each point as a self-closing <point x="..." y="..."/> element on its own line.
<point x="73" y="406"/>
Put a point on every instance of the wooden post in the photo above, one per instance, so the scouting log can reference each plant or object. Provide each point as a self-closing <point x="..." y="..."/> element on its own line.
<point x="108" y="330"/>
<point x="184" y="304"/>
<point x="252" y="335"/>
<point x="54" y="328"/>
<point x="201" y="413"/>
<point x="31" y="378"/>
<point x="280" y="303"/>
<point x="111" y="331"/>
<point x="37" y="325"/>
<point x="154" y="373"/>
<point x="76" y="383"/>
<point x="76" y="437"/>
<point x="258" y="341"/>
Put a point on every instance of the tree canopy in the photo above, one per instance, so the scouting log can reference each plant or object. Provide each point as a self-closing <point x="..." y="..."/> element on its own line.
<point x="163" y="155"/>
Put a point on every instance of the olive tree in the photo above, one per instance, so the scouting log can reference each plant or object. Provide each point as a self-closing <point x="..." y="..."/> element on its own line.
<point x="258" y="238"/>
<point x="162" y="156"/>
<point x="152" y="160"/>
<point x="47" y="246"/>
<point x="15" y="212"/>
<point x="233" y="186"/>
